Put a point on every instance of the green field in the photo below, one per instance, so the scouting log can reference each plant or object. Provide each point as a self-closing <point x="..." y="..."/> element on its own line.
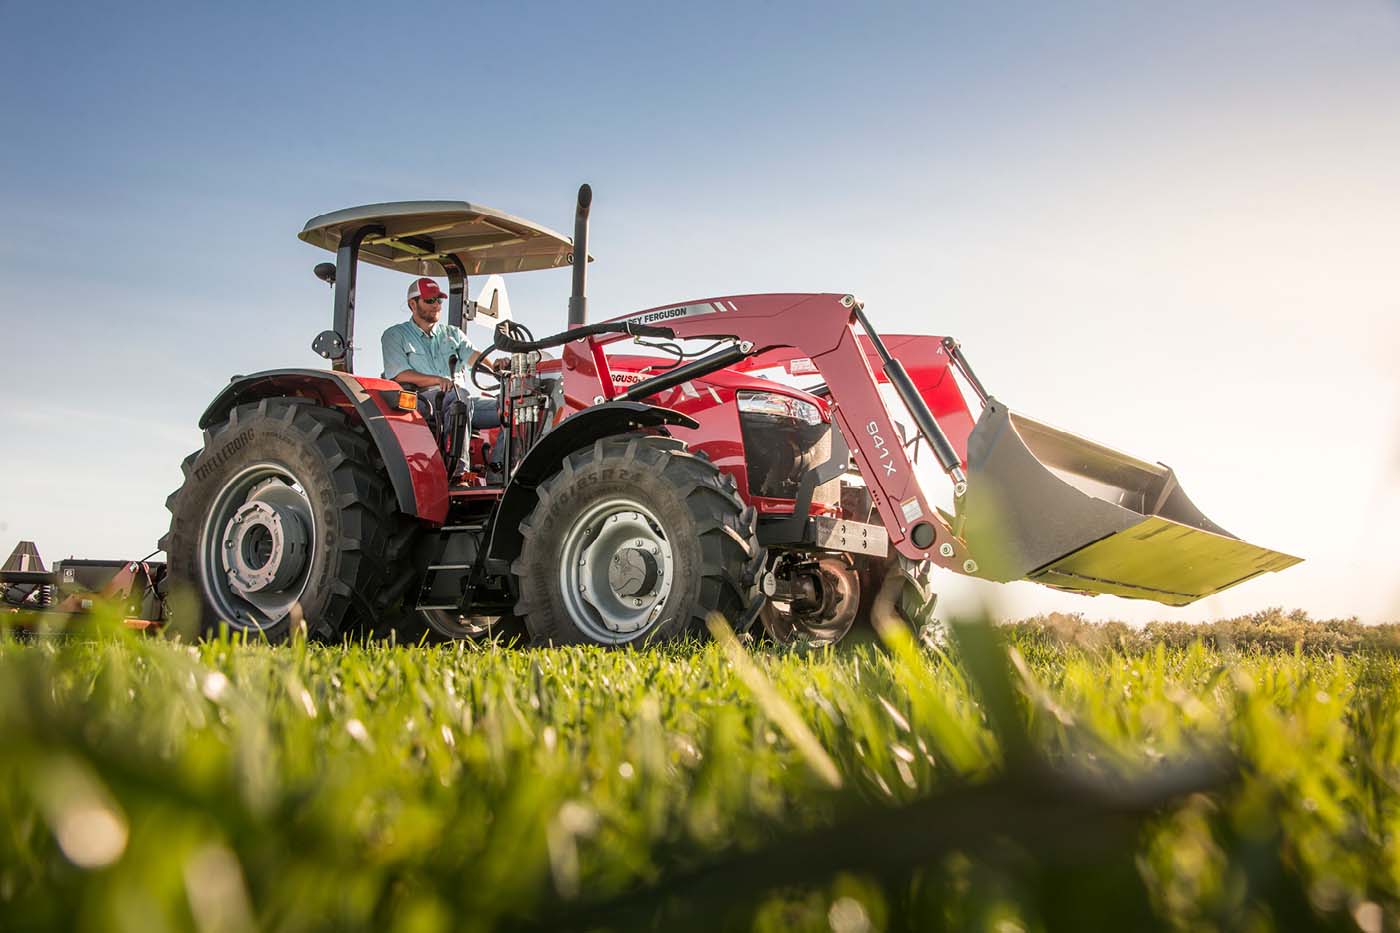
<point x="1058" y="776"/>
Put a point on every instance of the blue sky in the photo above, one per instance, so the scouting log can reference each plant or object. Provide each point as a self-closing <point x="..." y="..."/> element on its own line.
<point x="1173" y="228"/>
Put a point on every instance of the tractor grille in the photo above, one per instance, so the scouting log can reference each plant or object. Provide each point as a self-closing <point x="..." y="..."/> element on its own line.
<point x="779" y="450"/>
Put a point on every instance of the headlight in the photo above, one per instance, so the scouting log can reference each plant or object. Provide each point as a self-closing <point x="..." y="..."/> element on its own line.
<point x="779" y="406"/>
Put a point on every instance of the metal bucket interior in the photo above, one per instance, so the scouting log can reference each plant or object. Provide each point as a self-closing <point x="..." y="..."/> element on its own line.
<point x="1046" y="505"/>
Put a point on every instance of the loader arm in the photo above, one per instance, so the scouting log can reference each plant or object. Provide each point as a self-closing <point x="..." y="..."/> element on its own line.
<point x="1041" y="504"/>
<point x="822" y="328"/>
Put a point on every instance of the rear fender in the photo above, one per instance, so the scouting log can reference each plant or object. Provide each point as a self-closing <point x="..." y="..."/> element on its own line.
<point x="575" y="432"/>
<point x="405" y="444"/>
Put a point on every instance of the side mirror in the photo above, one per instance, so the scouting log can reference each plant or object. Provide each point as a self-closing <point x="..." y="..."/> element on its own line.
<point x="325" y="271"/>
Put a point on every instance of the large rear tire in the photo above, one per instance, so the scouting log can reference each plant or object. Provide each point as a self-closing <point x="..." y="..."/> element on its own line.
<point x="634" y="541"/>
<point x="283" y="516"/>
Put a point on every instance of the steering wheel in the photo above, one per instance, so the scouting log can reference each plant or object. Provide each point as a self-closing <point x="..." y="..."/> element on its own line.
<point x="478" y="367"/>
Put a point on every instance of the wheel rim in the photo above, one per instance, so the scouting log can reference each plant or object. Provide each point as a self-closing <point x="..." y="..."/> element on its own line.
<point x="453" y="624"/>
<point x="825" y="624"/>
<point x="616" y="571"/>
<point x="255" y="547"/>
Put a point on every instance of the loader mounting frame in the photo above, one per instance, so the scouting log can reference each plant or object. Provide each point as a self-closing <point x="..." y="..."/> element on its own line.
<point x="825" y="328"/>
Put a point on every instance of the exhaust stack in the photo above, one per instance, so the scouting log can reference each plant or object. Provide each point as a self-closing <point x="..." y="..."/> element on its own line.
<point x="578" y="300"/>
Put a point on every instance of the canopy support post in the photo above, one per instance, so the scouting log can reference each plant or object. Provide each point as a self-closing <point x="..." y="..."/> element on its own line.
<point x="456" y="289"/>
<point x="347" y="260"/>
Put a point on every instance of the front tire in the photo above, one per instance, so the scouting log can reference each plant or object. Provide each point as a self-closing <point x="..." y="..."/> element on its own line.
<point x="635" y="540"/>
<point x="897" y="592"/>
<point x="283" y="516"/>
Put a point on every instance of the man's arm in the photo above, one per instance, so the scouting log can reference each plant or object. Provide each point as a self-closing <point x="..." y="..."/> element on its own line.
<point x="466" y="352"/>
<point x="397" y="367"/>
<point x="422" y="380"/>
<point x="395" y="353"/>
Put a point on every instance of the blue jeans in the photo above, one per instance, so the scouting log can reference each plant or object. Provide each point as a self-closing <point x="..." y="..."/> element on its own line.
<point x="485" y="412"/>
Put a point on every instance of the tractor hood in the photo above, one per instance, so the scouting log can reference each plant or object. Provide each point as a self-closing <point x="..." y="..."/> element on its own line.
<point x="419" y="234"/>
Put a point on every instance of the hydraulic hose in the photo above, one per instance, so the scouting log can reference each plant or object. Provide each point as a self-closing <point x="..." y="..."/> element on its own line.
<point x="692" y="370"/>
<point x="908" y="392"/>
<point x="509" y="344"/>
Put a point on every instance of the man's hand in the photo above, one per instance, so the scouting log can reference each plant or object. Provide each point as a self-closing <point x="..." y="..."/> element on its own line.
<point x="444" y="383"/>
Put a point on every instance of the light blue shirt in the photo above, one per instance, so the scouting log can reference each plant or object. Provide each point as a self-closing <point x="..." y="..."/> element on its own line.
<point x="405" y="346"/>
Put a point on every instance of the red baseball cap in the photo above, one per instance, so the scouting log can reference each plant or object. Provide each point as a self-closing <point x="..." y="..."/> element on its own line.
<point x="424" y="288"/>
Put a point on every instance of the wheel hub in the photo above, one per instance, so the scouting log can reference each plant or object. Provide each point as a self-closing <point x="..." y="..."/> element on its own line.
<point x="264" y="548"/>
<point x="255" y="546"/>
<point x="616" y="570"/>
<point x="634" y="572"/>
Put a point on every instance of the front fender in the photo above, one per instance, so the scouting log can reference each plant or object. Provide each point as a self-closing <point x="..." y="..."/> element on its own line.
<point x="405" y="444"/>
<point x="545" y="458"/>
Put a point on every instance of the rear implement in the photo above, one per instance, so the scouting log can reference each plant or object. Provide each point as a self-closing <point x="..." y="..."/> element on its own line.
<point x="32" y="595"/>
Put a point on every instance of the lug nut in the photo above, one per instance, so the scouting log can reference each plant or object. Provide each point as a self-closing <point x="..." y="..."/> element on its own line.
<point x="946" y="549"/>
<point x="970" y="566"/>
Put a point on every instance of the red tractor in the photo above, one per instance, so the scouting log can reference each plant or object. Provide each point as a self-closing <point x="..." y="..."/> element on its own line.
<point x="772" y="476"/>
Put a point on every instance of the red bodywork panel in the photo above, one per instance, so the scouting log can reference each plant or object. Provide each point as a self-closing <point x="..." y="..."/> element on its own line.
<point x="712" y="402"/>
<point x="923" y="357"/>
<point x="420" y="450"/>
<point x="819" y="328"/>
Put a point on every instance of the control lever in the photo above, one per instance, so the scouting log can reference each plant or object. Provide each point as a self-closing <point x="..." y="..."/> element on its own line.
<point x="454" y="440"/>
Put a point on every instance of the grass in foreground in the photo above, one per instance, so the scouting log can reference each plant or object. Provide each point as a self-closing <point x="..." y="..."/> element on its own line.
<point x="148" y="785"/>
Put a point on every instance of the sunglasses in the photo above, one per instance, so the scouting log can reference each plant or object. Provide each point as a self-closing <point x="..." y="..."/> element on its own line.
<point x="431" y="301"/>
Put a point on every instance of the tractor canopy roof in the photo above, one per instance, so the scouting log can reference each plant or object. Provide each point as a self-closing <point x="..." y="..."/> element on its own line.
<point x="418" y="235"/>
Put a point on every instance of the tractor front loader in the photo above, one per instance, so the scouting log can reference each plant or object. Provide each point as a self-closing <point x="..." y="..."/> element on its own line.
<point x="769" y="477"/>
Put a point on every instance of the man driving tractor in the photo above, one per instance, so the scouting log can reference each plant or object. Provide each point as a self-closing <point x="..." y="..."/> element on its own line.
<point x="427" y="353"/>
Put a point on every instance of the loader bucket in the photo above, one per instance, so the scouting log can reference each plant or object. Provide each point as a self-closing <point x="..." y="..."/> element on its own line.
<point x="1046" y="505"/>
